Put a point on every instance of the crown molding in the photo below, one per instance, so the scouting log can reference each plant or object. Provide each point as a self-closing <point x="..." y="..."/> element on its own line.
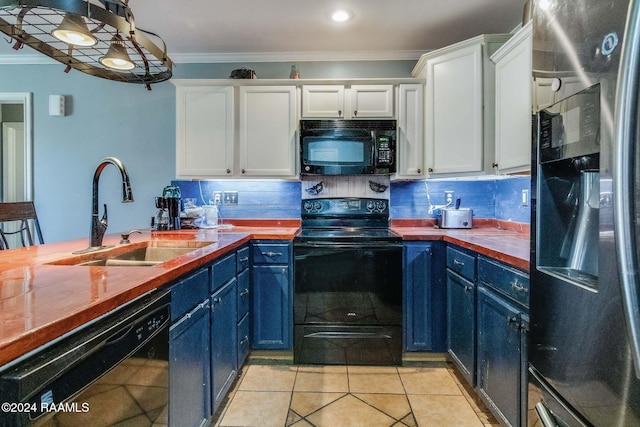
<point x="207" y="58"/>
<point x="210" y="58"/>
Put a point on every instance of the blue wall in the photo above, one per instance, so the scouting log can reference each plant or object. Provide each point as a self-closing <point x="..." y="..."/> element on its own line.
<point x="489" y="198"/>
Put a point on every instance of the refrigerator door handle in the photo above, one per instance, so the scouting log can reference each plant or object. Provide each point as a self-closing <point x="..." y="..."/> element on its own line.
<point x="545" y="415"/>
<point x="624" y="171"/>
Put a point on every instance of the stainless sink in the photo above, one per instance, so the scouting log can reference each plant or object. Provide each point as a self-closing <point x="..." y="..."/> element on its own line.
<point x="136" y="254"/>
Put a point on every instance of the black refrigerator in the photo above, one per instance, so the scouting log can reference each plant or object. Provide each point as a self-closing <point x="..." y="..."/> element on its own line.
<point x="584" y="338"/>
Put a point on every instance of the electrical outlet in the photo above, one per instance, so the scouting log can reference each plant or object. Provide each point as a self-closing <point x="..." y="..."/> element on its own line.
<point x="217" y="198"/>
<point x="448" y="196"/>
<point x="230" y="197"/>
<point x="525" y="197"/>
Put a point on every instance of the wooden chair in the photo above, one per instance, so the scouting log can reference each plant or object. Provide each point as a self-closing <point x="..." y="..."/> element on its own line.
<point x="25" y="212"/>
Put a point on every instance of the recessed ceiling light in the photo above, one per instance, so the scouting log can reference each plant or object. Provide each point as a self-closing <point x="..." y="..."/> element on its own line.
<point x="341" y="16"/>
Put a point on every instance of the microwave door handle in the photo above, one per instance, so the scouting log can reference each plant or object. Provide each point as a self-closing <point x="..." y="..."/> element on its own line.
<point x="374" y="151"/>
<point x="624" y="174"/>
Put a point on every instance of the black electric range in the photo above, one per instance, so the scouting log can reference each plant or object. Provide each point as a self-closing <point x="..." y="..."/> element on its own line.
<point x="348" y="284"/>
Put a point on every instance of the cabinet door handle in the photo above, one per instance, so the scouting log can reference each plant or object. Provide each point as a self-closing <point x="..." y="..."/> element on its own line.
<point x="468" y="288"/>
<point x="216" y="301"/>
<point x="245" y="292"/>
<point x="518" y="287"/>
<point x="272" y="254"/>
<point x="458" y="263"/>
<point x="244" y="260"/>
<point x="512" y="320"/>
<point x="244" y="340"/>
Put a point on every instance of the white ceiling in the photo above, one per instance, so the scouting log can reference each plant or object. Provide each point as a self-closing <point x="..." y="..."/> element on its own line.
<point x="228" y="31"/>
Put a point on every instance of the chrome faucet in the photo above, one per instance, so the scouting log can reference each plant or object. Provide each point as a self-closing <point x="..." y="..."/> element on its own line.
<point x="99" y="226"/>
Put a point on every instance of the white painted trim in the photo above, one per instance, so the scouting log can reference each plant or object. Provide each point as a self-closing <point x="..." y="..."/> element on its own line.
<point x="29" y="58"/>
<point x="24" y="98"/>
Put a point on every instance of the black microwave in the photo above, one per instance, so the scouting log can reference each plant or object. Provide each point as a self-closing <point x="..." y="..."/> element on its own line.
<point x="347" y="147"/>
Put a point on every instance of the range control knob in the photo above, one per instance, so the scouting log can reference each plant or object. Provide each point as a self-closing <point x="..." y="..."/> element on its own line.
<point x="381" y="205"/>
<point x="308" y="206"/>
<point x="317" y="206"/>
<point x="371" y="205"/>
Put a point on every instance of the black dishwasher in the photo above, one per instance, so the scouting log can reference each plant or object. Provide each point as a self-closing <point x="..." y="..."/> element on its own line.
<point x="112" y="371"/>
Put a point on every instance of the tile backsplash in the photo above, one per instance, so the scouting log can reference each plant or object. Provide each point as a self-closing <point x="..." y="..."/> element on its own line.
<point x="499" y="198"/>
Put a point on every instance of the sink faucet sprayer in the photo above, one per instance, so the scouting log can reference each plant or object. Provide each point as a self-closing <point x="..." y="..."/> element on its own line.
<point x="99" y="226"/>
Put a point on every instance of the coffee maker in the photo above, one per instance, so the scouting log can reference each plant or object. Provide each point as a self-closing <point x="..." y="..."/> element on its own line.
<point x="168" y="213"/>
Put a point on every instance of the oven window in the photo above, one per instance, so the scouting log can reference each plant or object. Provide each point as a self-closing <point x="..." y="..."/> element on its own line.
<point x="321" y="151"/>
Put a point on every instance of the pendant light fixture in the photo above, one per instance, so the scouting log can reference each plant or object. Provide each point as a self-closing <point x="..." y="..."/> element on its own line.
<point x="97" y="37"/>
<point x="73" y="30"/>
<point x="117" y="56"/>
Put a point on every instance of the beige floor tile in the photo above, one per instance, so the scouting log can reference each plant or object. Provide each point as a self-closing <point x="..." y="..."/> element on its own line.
<point x="349" y="412"/>
<point x="307" y="402"/>
<point x="428" y="381"/>
<point x="367" y="379"/>
<point x="443" y="411"/>
<point x="268" y="378"/>
<point x="394" y="405"/>
<point x="257" y="409"/>
<point x="322" y="379"/>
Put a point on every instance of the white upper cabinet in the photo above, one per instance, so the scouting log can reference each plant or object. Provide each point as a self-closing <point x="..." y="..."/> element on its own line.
<point x="323" y="101"/>
<point x="410" y="144"/>
<point x="371" y="101"/>
<point x="353" y="102"/>
<point x="514" y="103"/>
<point x="459" y="106"/>
<point x="204" y="131"/>
<point x="268" y="131"/>
<point x="216" y="139"/>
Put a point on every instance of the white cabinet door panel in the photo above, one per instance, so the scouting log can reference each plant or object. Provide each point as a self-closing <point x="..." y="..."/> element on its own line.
<point x="204" y="131"/>
<point x="268" y="125"/>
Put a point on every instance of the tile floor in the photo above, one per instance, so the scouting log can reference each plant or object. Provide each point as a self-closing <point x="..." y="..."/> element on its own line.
<point x="352" y="396"/>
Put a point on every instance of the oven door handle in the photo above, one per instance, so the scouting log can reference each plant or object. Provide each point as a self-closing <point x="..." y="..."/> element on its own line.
<point x="348" y="245"/>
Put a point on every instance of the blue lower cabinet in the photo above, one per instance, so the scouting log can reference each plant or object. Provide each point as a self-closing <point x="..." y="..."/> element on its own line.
<point x="424" y="296"/>
<point x="189" y="352"/>
<point x="244" y="340"/>
<point x="461" y="324"/>
<point x="499" y="355"/>
<point x="503" y="324"/>
<point x="272" y="307"/>
<point x="224" y="347"/>
<point x="272" y="294"/>
<point x="189" y="372"/>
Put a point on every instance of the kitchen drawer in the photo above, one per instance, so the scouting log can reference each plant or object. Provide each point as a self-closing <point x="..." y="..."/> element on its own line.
<point x="242" y="259"/>
<point x="223" y="271"/>
<point x="244" y="297"/>
<point x="462" y="263"/>
<point x="504" y="279"/>
<point x="188" y="293"/>
<point x="271" y="253"/>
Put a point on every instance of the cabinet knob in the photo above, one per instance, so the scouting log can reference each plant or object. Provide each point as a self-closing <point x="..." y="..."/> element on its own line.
<point x="243" y="171"/>
<point x="228" y="170"/>
<point x="494" y="165"/>
<point x="339" y="113"/>
<point x="419" y="170"/>
<point x="430" y="170"/>
<point x="355" y="113"/>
